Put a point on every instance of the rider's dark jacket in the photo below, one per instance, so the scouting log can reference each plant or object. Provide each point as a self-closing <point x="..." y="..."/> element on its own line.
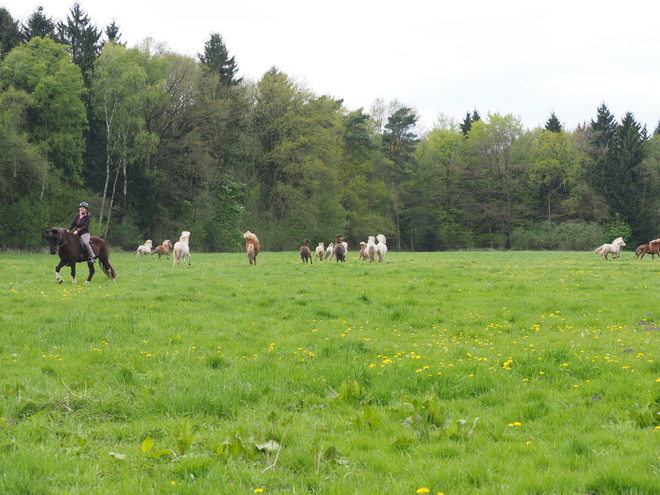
<point x="80" y="224"/>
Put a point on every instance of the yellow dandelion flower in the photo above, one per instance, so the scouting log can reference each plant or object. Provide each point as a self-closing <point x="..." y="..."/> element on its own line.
<point x="422" y="490"/>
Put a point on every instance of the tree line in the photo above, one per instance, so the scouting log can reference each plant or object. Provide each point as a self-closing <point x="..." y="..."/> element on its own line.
<point x="158" y="143"/>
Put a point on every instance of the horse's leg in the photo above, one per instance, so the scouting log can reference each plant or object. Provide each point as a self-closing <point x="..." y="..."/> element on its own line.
<point x="73" y="272"/>
<point x="91" y="272"/>
<point x="58" y="277"/>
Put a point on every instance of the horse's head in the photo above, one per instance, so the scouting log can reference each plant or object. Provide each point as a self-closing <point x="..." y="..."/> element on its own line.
<point x="53" y="236"/>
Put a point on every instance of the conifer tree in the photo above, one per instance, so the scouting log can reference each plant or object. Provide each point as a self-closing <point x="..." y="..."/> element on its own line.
<point x="216" y="58"/>
<point x="466" y="125"/>
<point x="38" y="24"/>
<point x="83" y="39"/>
<point x="553" y="124"/>
<point x="10" y="34"/>
<point x="112" y="34"/>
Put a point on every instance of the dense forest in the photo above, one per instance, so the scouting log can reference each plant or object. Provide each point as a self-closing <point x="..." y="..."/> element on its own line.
<point x="158" y="143"/>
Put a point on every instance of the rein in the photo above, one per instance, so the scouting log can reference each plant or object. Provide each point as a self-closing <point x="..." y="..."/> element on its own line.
<point x="60" y="245"/>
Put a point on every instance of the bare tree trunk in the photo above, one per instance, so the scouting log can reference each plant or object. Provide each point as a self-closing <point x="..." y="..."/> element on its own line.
<point x="112" y="199"/>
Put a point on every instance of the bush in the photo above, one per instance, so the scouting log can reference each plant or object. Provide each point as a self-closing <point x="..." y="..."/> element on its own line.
<point x="22" y="224"/>
<point x="567" y="236"/>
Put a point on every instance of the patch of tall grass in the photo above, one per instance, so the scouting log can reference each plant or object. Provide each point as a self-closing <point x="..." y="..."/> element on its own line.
<point x="463" y="372"/>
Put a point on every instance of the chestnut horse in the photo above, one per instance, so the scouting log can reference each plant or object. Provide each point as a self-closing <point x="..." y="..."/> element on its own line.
<point x="252" y="247"/>
<point x="651" y="248"/>
<point x="68" y="246"/>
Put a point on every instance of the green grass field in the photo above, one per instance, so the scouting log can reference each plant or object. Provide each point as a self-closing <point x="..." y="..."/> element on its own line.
<point x="452" y="373"/>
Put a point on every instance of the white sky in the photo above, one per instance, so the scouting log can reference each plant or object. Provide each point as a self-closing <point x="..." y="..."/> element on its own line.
<point x="517" y="57"/>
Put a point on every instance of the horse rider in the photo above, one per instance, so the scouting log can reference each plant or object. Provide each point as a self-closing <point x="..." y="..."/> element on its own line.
<point x="80" y="227"/>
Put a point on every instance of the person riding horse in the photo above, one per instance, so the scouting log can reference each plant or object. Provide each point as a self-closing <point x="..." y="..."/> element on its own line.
<point x="80" y="227"/>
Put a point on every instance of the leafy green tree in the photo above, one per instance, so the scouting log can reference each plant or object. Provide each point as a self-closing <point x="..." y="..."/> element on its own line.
<point x="119" y="92"/>
<point x="553" y="124"/>
<point x="23" y="175"/>
<point x="82" y="37"/>
<point x="56" y="117"/>
<point x="497" y="153"/>
<point x="442" y="216"/>
<point x="399" y="143"/>
<point x="299" y="194"/>
<point x="39" y="25"/>
<point x="364" y="195"/>
<point x="216" y="58"/>
<point x="554" y="171"/>
<point x="10" y="32"/>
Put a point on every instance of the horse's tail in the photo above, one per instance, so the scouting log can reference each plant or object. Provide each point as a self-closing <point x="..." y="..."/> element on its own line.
<point x="598" y="250"/>
<point x="106" y="264"/>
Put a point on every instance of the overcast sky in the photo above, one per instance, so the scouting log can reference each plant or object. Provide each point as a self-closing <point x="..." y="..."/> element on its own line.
<point x="512" y="56"/>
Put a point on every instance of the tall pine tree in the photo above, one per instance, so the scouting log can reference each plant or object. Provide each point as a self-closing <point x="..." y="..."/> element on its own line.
<point x="624" y="185"/>
<point x="83" y="40"/>
<point x="10" y="34"/>
<point x="216" y="58"/>
<point x="553" y="124"/>
<point x="38" y="24"/>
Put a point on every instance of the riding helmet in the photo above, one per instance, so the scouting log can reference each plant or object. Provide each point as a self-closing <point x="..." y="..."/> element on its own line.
<point x="84" y="204"/>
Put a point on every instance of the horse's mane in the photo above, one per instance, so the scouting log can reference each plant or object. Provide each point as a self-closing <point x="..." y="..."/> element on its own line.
<point x="249" y="236"/>
<point x="654" y="242"/>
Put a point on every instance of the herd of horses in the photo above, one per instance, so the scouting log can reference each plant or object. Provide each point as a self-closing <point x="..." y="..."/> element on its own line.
<point x="614" y="248"/>
<point x="71" y="251"/>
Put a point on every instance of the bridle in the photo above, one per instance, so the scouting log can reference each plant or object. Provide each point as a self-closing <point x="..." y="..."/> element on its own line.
<point x="60" y="237"/>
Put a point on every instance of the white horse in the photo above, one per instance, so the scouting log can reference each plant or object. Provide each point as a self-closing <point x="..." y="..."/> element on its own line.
<point x="381" y="247"/>
<point x="613" y="248"/>
<point x="320" y="251"/>
<point x="144" y="248"/>
<point x="370" y="249"/>
<point x="181" y="249"/>
<point x="330" y="251"/>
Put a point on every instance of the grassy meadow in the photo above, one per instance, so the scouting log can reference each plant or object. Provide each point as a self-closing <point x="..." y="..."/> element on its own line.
<point x="453" y="373"/>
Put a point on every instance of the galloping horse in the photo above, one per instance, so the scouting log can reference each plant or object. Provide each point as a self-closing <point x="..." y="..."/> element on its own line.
<point x="651" y="248"/>
<point x="67" y="245"/>
<point x="613" y="248"/>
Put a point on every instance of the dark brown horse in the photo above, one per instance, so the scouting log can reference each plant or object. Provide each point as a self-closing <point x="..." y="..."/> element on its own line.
<point x="340" y="249"/>
<point x="71" y="252"/>
<point x="305" y="253"/>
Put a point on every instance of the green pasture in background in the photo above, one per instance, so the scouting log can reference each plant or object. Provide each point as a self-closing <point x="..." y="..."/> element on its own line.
<point x="453" y="373"/>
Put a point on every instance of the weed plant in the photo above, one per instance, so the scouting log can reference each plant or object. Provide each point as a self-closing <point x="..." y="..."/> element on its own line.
<point x="453" y="373"/>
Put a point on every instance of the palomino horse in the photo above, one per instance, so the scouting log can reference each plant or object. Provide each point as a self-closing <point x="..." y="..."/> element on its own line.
<point x="67" y="245"/>
<point x="613" y="248"/>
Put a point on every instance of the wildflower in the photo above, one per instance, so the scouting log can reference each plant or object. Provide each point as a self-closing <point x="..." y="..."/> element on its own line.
<point x="258" y="490"/>
<point x="422" y="490"/>
<point x="528" y="443"/>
